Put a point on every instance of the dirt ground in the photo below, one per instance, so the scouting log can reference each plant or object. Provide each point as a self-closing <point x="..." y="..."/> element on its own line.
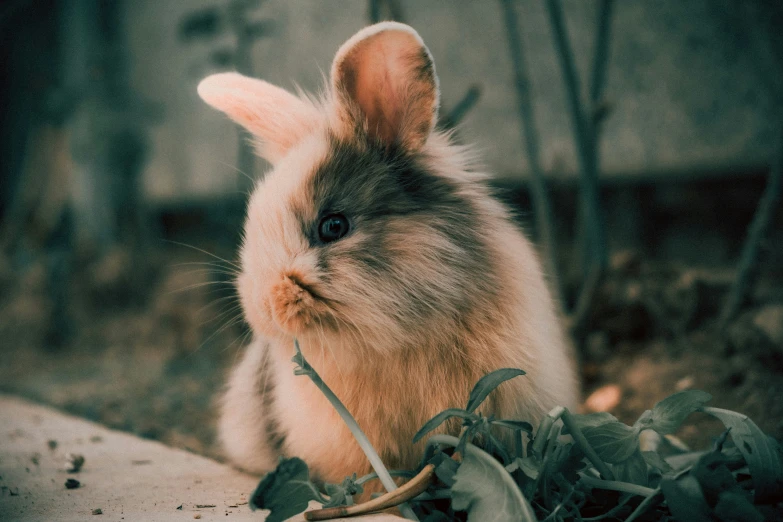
<point x="148" y="353"/>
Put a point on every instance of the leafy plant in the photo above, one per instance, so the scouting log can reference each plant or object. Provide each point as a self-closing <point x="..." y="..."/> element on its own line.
<point x="573" y="467"/>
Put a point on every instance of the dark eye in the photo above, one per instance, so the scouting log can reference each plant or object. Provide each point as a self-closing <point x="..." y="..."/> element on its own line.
<point x="332" y="227"/>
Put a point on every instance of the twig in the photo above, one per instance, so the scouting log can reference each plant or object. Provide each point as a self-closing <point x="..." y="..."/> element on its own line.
<point x="372" y="455"/>
<point x="404" y="493"/>
<point x="543" y="208"/>
<point x="749" y="259"/>
<point x="580" y="316"/>
<point x="462" y="108"/>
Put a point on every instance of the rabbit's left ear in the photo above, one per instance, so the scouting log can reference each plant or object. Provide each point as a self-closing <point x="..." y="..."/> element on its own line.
<point x="385" y="76"/>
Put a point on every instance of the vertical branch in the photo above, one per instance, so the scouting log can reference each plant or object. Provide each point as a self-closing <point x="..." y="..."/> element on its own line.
<point x="244" y="65"/>
<point x="600" y="54"/>
<point x="541" y="203"/>
<point x="595" y="272"/>
<point x="393" y="11"/>
<point x="749" y="259"/>
<point x="462" y="108"/>
<point x="375" y="11"/>
<point x="586" y="139"/>
<point x="582" y="134"/>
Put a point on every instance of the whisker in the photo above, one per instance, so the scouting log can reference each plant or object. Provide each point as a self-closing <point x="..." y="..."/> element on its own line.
<point x="242" y="338"/>
<point x="222" y="315"/>
<point x="238" y="170"/>
<point x="202" y="284"/>
<point x="201" y="263"/>
<point x="215" y="302"/>
<point x="228" y="324"/>
<point x="204" y="252"/>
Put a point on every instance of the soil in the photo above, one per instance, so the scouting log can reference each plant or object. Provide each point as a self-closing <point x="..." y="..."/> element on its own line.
<point x="149" y="340"/>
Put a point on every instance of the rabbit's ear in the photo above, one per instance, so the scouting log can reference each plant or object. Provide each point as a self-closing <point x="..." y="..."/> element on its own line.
<point x="273" y="115"/>
<point x="385" y="76"/>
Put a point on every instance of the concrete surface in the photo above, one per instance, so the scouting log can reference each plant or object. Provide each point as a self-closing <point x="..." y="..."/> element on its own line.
<point x="127" y="478"/>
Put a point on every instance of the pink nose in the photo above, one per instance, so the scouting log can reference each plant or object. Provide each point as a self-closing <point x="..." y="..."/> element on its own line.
<point x="293" y="307"/>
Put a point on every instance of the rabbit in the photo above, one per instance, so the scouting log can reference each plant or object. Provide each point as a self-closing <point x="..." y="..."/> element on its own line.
<point x="376" y="244"/>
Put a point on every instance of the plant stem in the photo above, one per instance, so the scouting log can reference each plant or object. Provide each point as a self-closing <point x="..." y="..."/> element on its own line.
<point x="394" y="473"/>
<point x="749" y="260"/>
<point x="581" y="441"/>
<point x="409" y="490"/>
<point x="542" y="435"/>
<point x="372" y="455"/>
<point x="646" y="504"/>
<point x="625" y="487"/>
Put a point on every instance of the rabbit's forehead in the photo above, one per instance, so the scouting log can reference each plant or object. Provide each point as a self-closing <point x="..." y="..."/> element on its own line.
<point x="286" y="186"/>
<point x="377" y="188"/>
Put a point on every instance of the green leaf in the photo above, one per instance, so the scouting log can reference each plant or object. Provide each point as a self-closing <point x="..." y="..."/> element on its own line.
<point x="489" y="382"/>
<point x="487" y="492"/>
<point x="342" y="494"/>
<point x="668" y="414"/>
<point x="656" y="461"/>
<point x="685" y="499"/>
<point x="613" y="441"/>
<point x="286" y="491"/>
<point x="439" y="419"/>
<point x="514" y="425"/>
<point x="467" y="436"/>
<point x="632" y="469"/>
<point x="571" y="462"/>
<point x="762" y="453"/>
<point x="530" y="466"/>
<point x="734" y="507"/>
<point x="590" y="420"/>
<point x="714" y="477"/>
<point x="446" y="470"/>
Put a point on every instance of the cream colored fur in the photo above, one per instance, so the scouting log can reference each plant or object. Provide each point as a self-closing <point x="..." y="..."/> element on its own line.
<point x="392" y="378"/>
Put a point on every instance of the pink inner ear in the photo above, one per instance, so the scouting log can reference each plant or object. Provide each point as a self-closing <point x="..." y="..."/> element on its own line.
<point x="390" y="76"/>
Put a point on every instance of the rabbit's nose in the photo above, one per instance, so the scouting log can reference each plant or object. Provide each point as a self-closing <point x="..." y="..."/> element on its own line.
<point x="293" y="305"/>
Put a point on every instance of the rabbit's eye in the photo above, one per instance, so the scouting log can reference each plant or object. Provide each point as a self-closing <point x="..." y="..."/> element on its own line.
<point x="332" y="227"/>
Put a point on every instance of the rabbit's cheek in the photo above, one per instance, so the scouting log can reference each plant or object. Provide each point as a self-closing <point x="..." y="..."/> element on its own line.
<point x="293" y="308"/>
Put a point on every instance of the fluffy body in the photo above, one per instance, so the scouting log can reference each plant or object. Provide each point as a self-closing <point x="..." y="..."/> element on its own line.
<point x="433" y="286"/>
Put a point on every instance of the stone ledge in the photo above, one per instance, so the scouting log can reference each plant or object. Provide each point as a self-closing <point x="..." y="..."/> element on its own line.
<point x="126" y="477"/>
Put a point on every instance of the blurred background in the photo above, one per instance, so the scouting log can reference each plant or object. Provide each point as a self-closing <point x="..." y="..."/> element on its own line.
<point x="639" y="142"/>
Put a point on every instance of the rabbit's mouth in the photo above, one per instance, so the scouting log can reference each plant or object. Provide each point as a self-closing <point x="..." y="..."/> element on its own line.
<point x="295" y="306"/>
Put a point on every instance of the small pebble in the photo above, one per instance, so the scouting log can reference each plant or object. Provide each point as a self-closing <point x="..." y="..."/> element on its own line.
<point x="605" y="398"/>
<point x="72" y="483"/>
<point x="197" y="516"/>
<point x="686" y="383"/>
<point x="74" y="462"/>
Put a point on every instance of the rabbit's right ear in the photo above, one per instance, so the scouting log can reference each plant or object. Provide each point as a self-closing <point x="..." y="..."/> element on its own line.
<point x="273" y="115"/>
